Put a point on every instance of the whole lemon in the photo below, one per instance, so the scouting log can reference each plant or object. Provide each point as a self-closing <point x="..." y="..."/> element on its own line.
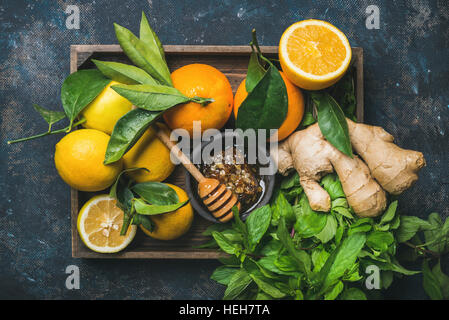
<point x="172" y="225"/>
<point x="79" y="160"/>
<point x="149" y="152"/>
<point x="104" y="111"/>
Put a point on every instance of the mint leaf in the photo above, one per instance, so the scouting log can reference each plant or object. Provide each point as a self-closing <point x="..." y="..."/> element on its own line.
<point x="257" y="224"/>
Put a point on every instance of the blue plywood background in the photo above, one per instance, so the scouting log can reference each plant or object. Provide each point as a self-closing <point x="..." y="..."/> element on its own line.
<point x="406" y="92"/>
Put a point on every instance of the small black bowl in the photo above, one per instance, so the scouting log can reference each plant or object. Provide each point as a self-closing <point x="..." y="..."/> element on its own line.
<point x="192" y="185"/>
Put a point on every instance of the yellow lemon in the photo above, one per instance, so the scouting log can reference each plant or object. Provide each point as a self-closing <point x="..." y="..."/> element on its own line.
<point x="104" y="111"/>
<point x="79" y="160"/>
<point x="99" y="224"/>
<point x="172" y="225"/>
<point x="149" y="152"/>
<point x="314" y="54"/>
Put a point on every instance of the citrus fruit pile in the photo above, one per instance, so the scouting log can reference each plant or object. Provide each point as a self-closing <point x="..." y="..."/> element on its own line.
<point x="79" y="160"/>
<point x="80" y="155"/>
<point x="121" y="108"/>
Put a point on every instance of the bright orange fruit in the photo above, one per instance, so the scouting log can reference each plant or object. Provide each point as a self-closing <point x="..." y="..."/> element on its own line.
<point x="204" y="81"/>
<point x="295" y="106"/>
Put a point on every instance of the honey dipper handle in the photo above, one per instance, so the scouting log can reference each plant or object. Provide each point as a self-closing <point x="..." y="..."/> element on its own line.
<point x="163" y="136"/>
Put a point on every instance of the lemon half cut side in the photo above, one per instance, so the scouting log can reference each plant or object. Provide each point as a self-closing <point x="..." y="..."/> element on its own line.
<point x="99" y="224"/>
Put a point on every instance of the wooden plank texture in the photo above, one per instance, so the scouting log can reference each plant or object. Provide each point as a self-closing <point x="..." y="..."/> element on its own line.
<point x="233" y="62"/>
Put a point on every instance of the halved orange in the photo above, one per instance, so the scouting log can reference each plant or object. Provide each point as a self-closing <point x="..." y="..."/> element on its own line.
<point x="314" y="54"/>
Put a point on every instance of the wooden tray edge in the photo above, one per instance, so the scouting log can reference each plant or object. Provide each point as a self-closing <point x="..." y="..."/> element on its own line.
<point x="184" y="49"/>
<point x="162" y="255"/>
<point x="360" y="109"/>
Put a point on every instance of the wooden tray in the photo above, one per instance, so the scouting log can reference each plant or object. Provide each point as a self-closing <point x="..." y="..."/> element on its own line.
<point x="233" y="62"/>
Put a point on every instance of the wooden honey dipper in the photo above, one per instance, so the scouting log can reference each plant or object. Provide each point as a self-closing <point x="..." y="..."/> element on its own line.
<point x="218" y="199"/>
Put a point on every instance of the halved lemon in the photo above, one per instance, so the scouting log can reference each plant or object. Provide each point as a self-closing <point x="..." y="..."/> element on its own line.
<point x="99" y="224"/>
<point x="314" y="54"/>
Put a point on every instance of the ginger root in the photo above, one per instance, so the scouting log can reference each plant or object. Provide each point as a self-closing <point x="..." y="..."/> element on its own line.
<point x="387" y="167"/>
<point x="394" y="168"/>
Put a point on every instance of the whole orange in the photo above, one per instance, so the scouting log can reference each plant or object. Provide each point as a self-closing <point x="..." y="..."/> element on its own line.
<point x="295" y="106"/>
<point x="204" y="81"/>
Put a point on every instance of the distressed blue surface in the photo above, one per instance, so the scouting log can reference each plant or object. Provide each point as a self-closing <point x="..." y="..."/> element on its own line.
<point x="406" y="92"/>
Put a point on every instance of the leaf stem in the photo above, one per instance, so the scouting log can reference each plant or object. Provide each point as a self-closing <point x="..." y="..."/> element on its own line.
<point x="255" y="256"/>
<point x="63" y="130"/>
<point x="266" y="60"/>
<point x="202" y="101"/>
<point x="127" y="219"/>
<point x="69" y="127"/>
<point x="423" y="250"/>
<point x="310" y="248"/>
<point x="255" y="42"/>
<point x="30" y="138"/>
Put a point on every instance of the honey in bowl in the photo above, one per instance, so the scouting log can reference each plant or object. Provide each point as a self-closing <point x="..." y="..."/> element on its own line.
<point x="229" y="167"/>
